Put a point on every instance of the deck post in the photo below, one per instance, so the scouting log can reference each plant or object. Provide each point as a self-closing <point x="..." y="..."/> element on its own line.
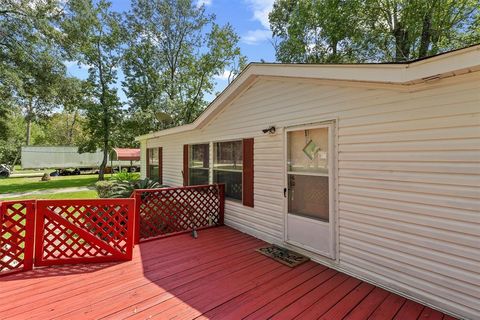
<point x="31" y="217"/>
<point x="138" y="203"/>
<point x="221" y="208"/>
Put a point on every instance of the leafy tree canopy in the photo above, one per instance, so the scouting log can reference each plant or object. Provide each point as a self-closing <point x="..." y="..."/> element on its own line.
<point x="30" y="57"/>
<point x="173" y="53"/>
<point x="335" y="31"/>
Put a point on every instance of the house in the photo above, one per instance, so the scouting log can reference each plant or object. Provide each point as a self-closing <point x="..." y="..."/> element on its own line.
<point x="371" y="169"/>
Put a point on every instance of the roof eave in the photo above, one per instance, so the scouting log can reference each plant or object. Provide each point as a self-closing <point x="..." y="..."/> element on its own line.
<point x="404" y="73"/>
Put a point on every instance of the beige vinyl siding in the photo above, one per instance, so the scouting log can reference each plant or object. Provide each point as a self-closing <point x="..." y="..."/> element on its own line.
<point x="408" y="177"/>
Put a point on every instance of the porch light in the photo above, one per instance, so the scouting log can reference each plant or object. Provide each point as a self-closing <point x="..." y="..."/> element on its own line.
<point x="270" y="130"/>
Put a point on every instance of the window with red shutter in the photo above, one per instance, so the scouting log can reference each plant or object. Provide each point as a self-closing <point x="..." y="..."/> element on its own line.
<point x="154" y="170"/>
<point x="228" y="167"/>
<point x="198" y="164"/>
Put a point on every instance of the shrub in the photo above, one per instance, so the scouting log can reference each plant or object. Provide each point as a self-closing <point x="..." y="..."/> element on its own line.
<point x="104" y="188"/>
<point x="126" y="176"/>
<point x="124" y="189"/>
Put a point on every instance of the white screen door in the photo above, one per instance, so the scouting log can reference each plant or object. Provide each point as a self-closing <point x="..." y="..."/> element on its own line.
<point x="310" y="189"/>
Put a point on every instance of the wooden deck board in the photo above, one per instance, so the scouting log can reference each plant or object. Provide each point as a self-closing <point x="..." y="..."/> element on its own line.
<point x="217" y="276"/>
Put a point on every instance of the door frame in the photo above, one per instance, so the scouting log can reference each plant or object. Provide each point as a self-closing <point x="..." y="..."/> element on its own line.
<point x="333" y="182"/>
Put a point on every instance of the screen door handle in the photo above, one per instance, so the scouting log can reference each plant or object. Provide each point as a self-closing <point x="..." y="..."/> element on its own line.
<point x="285" y="192"/>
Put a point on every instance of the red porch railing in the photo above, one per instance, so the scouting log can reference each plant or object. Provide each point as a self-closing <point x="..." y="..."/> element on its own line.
<point x="168" y="211"/>
<point x="79" y="231"/>
<point x="65" y="232"/>
<point x="51" y="232"/>
<point x="17" y="223"/>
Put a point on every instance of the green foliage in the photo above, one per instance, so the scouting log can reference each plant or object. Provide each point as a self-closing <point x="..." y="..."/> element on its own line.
<point x="62" y="129"/>
<point x="174" y="50"/>
<point x="335" y="31"/>
<point x="16" y="127"/>
<point x="30" y="59"/>
<point x="124" y="189"/>
<point x="147" y="184"/>
<point x="104" y="188"/>
<point x="126" y="176"/>
<point x="94" y="36"/>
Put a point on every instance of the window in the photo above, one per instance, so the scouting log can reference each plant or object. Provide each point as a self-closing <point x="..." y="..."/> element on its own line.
<point x="228" y="167"/>
<point x="154" y="164"/>
<point x="198" y="165"/>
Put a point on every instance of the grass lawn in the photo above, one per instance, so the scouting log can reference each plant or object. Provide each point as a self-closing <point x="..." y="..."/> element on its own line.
<point x="10" y="185"/>
<point x="89" y="194"/>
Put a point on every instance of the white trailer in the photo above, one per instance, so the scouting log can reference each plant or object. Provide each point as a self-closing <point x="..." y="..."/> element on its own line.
<point x="40" y="157"/>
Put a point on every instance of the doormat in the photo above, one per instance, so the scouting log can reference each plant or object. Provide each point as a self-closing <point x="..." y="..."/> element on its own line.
<point x="282" y="255"/>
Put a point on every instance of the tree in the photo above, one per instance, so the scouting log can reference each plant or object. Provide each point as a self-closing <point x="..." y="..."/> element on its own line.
<point x="40" y="83"/>
<point x="62" y="129"/>
<point x="326" y="31"/>
<point x="30" y="59"/>
<point x="10" y="145"/>
<point x="314" y="31"/>
<point x="5" y="112"/>
<point x="74" y="96"/>
<point x="95" y="37"/>
<point x="175" y="50"/>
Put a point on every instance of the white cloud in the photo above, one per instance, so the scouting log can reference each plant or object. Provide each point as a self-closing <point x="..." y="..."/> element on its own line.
<point x="224" y="76"/>
<point x="254" y="37"/>
<point x="261" y="9"/>
<point x="203" y="2"/>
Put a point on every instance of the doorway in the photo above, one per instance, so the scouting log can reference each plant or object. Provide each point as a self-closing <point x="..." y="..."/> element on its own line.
<point x="309" y="190"/>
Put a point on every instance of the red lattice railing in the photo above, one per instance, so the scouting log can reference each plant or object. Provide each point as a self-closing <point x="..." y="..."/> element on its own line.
<point x="78" y="231"/>
<point x="100" y="230"/>
<point x="17" y="222"/>
<point x="168" y="211"/>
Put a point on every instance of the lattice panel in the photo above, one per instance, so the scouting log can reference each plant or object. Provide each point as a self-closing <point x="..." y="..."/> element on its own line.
<point x="107" y="222"/>
<point x="16" y="236"/>
<point x="172" y="210"/>
<point x="60" y="242"/>
<point x="84" y="230"/>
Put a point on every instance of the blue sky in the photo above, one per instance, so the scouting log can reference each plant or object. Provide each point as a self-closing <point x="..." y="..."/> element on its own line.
<point x="248" y="17"/>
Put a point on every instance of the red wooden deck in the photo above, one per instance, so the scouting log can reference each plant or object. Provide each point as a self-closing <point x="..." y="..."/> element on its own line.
<point x="217" y="276"/>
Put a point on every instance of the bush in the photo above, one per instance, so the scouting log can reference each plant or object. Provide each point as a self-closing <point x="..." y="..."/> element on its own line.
<point x="104" y="188"/>
<point x="126" y="176"/>
<point x="124" y="189"/>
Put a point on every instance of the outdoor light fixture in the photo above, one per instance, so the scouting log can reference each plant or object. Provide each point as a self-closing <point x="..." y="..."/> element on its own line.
<point x="270" y="130"/>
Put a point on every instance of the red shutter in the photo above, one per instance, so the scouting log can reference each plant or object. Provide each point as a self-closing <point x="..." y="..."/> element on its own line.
<point x="148" y="164"/>
<point x="185" y="165"/>
<point x="248" y="172"/>
<point x="160" y="165"/>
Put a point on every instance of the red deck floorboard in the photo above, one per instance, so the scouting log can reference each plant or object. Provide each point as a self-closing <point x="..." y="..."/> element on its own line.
<point x="389" y="307"/>
<point x="430" y="314"/>
<point x="217" y="276"/>
<point x="368" y="305"/>
<point x="410" y="310"/>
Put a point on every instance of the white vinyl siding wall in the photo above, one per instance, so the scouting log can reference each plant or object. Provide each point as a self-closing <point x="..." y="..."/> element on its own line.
<point x="408" y="177"/>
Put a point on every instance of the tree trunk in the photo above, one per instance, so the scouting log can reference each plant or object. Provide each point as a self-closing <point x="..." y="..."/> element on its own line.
<point x="29" y="129"/>
<point x="106" y="123"/>
<point x="103" y="165"/>
<point x="402" y="45"/>
<point x="15" y="161"/>
<point x="70" y="129"/>
<point x="28" y="118"/>
<point x="425" y="38"/>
